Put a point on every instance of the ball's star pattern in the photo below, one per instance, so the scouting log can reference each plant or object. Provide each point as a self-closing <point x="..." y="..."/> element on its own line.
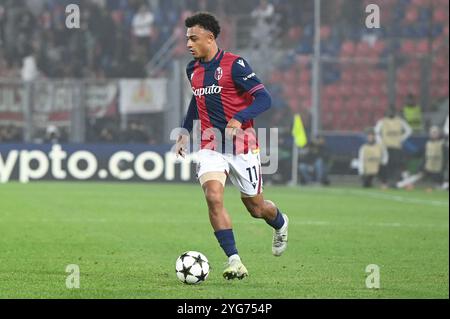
<point x="184" y="256"/>
<point x="199" y="260"/>
<point x="202" y="276"/>
<point x="186" y="271"/>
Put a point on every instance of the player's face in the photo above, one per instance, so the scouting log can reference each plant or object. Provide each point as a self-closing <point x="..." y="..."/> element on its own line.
<point x="199" y="42"/>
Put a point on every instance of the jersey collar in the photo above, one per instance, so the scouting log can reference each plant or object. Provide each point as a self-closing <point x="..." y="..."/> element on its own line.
<point x="216" y="58"/>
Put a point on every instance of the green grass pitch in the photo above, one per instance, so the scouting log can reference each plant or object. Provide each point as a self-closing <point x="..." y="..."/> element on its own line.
<point x="126" y="238"/>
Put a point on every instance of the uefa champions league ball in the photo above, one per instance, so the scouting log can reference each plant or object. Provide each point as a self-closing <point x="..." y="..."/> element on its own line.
<point x="192" y="268"/>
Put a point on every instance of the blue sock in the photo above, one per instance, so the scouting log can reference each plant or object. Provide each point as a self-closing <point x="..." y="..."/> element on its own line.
<point x="226" y="241"/>
<point x="278" y="222"/>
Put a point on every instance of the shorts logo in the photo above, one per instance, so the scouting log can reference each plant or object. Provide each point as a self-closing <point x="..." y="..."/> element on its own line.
<point x="218" y="74"/>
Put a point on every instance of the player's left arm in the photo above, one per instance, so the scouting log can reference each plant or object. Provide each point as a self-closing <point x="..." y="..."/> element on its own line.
<point x="245" y="79"/>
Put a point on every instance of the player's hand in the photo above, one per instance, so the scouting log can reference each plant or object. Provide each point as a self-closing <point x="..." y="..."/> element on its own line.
<point x="232" y="128"/>
<point x="180" y="146"/>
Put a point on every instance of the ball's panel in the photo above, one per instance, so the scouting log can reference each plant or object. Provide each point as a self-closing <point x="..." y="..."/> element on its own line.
<point x="191" y="280"/>
<point x="196" y="269"/>
<point x="205" y="267"/>
<point x="179" y="265"/>
<point x="180" y="276"/>
<point x="188" y="261"/>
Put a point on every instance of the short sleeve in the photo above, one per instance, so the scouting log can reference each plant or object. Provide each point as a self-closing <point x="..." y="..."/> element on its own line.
<point x="190" y="70"/>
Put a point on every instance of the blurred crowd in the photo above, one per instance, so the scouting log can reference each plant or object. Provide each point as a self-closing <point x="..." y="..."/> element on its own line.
<point x="120" y="37"/>
<point x="10" y="134"/>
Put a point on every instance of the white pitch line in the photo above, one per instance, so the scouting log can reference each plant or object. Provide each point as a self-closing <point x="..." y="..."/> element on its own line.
<point x="395" y="198"/>
<point x="250" y="221"/>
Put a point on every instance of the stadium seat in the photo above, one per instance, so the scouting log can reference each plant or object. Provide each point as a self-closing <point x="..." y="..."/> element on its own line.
<point x="362" y="49"/>
<point x="329" y="91"/>
<point x="304" y="91"/>
<point x="295" y="34"/>
<point x="276" y="77"/>
<point x="348" y="49"/>
<point x="408" y="47"/>
<point x="290" y="76"/>
<point x="412" y="15"/>
<point x="305" y="77"/>
<point x="325" y="32"/>
<point x="422" y="47"/>
<point x="440" y="16"/>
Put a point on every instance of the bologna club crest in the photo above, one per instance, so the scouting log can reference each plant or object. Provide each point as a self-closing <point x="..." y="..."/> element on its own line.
<point x="218" y="74"/>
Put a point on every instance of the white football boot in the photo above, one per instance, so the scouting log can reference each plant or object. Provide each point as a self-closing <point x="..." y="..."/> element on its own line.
<point x="235" y="269"/>
<point x="280" y="238"/>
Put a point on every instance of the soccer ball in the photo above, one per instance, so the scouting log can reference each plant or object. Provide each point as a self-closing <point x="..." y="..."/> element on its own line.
<point x="192" y="267"/>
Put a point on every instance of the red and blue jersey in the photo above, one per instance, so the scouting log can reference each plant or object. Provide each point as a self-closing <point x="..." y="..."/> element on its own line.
<point x="223" y="89"/>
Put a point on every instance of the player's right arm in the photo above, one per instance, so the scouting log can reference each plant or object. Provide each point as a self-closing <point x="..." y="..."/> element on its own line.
<point x="188" y="124"/>
<point x="191" y="116"/>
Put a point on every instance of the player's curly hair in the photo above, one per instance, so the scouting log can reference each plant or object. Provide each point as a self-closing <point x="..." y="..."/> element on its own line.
<point x="206" y="20"/>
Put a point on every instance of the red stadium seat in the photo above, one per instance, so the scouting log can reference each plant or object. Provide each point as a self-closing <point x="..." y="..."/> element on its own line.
<point x="294" y="105"/>
<point x="375" y="90"/>
<point x="304" y="91"/>
<point x="276" y="77"/>
<point x="295" y="34"/>
<point x="379" y="47"/>
<point x="412" y="15"/>
<point x="420" y="3"/>
<point x="440" y="16"/>
<point x="363" y="49"/>
<point x="332" y="91"/>
<point x="305" y="77"/>
<point x="347" y="76"/>
<point x="408" y="47"/>
<point x="422" y="47"/>
<point x="348" y="49"/>
<point x="290" y="76"/>
<point x="325" y="32"/>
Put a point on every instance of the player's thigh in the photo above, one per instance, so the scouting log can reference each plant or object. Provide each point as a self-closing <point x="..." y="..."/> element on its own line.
<point x="211" y="166"/>
<point x="246" y="174"/>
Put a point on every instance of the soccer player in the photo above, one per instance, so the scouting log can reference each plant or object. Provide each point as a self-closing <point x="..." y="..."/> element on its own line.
<point x="227" y="97"/>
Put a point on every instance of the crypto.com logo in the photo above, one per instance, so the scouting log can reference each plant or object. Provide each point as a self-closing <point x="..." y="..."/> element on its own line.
<point x="215" y="139"/>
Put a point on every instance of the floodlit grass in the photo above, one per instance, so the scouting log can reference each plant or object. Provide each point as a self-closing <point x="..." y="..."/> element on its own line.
<point x="126" y="238"/>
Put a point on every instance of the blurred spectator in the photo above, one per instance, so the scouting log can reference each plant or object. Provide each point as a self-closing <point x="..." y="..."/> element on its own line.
<point x="392" y="131"/>
<point x="143" y="26"/>
<point x="412" y="112"/>
<point x="263" y="12"/>
<point x="136" y="133"/>
<point x="10" y="134"/>
<point x="143" y="22"/>
<point x="52" y="135"/>
<point x="264" y="26"/>
<point x="30" y="70"/>
<point x="314" y="162"/>
<point x="372" y="158"/>
<point x="106" y="136"/>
